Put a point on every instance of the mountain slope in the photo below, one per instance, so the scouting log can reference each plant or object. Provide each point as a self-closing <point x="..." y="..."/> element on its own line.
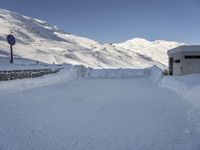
<point x="157" y="50"/>
<point x="37" y="40"/>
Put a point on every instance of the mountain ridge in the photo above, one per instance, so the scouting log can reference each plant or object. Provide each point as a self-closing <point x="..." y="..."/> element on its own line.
<point x="39" y="41"/>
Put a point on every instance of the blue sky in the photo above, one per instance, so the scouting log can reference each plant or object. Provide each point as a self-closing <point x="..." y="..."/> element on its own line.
<point x="117" y="20"/>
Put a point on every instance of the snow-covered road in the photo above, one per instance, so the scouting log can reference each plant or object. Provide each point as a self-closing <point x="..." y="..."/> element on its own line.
<point x="96" y="114"/>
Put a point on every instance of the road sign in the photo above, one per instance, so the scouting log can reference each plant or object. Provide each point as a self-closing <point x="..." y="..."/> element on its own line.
<point x="11" y="40"/>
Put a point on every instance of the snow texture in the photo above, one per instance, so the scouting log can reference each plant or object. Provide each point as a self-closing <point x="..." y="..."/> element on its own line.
<point x="81" y="108"/>
<point x="187" y="86"/>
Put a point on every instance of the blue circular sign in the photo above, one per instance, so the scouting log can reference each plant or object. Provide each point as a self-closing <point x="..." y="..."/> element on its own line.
<point x="11" y="39"/>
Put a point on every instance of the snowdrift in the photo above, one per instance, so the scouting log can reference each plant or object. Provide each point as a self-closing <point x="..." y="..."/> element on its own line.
<point x="83" y="72"/>
<point x="71" y="72"/>
<point x="187" y="86"/>
<point x="154" y="73"/>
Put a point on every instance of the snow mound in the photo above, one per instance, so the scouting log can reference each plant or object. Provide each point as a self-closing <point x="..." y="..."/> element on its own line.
<point x="187" y="86"/>
<point x="26" y="84"/>
<point x="71" y="72"/>
<point x="155" y="74"/>
<point x="84" y="72"/>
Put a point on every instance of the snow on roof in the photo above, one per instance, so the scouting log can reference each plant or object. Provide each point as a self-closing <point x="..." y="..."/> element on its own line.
<point x="184" y="48"/>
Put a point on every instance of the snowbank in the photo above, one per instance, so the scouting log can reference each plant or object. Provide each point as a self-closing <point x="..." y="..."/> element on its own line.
<point x="24" y="84"/>
<point x="71" y="72"/>
<point x="187" y="86"/>
<point x="155" y="74"/>
<point x="83" y="72"/>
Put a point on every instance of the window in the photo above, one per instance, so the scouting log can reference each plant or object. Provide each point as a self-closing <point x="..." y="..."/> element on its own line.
<point x="171" y="59"/>
<point x="192" y="57"/>
<point x="177" y="61"/>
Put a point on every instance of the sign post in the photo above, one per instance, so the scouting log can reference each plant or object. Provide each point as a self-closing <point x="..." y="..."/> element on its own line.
<point x="11" y="40"/>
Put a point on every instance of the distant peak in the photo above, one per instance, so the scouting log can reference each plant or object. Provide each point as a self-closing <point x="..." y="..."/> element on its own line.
<point x="138" y="40"/>
<point x="143" y="41"/>
<point x="168" y="42"/>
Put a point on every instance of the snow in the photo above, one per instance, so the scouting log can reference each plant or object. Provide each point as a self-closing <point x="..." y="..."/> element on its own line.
<point x="185" y="48"/>
<point x="39" y="41"/>
<point x="187" y="86"/>
<point x="22" y="63"/>
<point x="84" y="72"/>
<point x="71" y="72"/>
<point x="155" y="74"/>
<point x="84" y="108"/>
<point x="155" y="50"/>
<point x="24" y="84"/>
<point x="128" y="104"/>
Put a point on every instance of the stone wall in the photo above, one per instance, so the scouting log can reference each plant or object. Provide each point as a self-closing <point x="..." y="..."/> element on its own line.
<point x="6" y="75"/>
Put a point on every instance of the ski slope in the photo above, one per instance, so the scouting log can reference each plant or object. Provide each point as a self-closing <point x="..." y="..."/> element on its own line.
<point x="73" y="111"/>
<point x="39" y="41"/>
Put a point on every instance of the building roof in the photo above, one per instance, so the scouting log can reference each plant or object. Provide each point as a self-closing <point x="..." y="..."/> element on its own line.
<point x="184" y="48"/>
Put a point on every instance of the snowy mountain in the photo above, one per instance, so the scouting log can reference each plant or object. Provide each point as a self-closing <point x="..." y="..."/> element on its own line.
<point x="156" y="50"/>
<point x="37" y="40"/>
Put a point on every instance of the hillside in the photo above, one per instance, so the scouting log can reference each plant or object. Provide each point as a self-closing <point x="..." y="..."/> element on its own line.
<point x="37" y="40"/>
<point x="156" y="50"/>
